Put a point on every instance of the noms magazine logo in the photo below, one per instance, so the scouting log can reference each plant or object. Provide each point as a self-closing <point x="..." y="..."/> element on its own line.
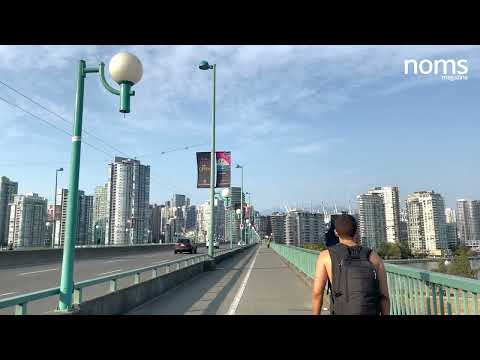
<point x="450" y="70"/>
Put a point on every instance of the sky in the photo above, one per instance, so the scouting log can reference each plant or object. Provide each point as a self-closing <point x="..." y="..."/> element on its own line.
<point x="310" y="124"/>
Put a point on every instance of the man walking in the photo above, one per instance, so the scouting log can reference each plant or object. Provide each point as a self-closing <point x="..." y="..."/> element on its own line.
<point x="356" y="274"/>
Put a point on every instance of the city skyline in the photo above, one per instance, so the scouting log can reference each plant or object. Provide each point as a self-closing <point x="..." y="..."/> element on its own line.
<point x="279" y="107"/>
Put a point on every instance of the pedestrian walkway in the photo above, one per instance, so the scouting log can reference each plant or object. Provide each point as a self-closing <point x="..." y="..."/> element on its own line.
<point x="256" y="282"/>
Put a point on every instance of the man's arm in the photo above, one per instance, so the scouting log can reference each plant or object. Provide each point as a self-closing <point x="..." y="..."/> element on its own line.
<point x="319" y="282"/>
<point x="382" y="279"/>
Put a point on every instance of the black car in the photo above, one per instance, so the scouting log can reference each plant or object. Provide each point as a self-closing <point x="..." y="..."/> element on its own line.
<point x="185" y="245"/>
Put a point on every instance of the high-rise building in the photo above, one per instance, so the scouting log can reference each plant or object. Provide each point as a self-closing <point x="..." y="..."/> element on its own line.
<point x="27" y="224"/>
<point x="403" y="227"/>
<point x="100" y="214"/>
<point x="190" y="218"/>
<point x="278" y="227"/>
<point x="232" y="220"/>
<point x="84" y="218"/>
<point x="203" y="220"/>
<point x="426" y="222"/>
<point x="8" y="190"/>
<point x="391" y="204"/>
<point x="468" y="222"/>
<point x="264" y="225"/>
<point x="303" y="227"/>
<point x="128" y="199"/>
<point x="156" y="223"/>
<point x="179" y="200"/>
<point x="451" y="228"/>
<point x="372" y="227"/>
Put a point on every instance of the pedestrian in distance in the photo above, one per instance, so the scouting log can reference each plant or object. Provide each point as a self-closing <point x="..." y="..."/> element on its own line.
<point x="356" y="275"/>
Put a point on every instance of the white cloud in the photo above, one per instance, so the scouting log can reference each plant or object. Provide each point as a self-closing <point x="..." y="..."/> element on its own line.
<point x="315" y="147"/>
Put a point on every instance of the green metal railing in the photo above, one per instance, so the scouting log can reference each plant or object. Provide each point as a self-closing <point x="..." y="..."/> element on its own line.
<point x="20" y="302"/>
<point x="412" y="291"/>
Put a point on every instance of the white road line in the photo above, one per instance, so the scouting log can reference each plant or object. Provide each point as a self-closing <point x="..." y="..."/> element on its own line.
<point x="10" y="293"/>
<point x="36" y="272"/>
<point x="238" y="296"/>
<point x="110" y="272"/>
<point x="111" y="261"/>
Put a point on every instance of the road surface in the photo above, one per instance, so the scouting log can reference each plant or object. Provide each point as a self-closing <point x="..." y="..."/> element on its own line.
<point x="25" y="279"/>
<point x="255" y="282"/>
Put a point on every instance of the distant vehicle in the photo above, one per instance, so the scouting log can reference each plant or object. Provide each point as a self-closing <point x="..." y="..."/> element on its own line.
<point x="241" y="243"/>
<point x="185" y="245"/>
<point x="215" y="244"/>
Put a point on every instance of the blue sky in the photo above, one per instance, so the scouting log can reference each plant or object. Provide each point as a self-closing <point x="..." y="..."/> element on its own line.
<point x="319" y="123"/>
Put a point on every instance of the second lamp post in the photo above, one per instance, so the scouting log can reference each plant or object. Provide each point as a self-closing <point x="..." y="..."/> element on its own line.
<point x="204" y="65"/>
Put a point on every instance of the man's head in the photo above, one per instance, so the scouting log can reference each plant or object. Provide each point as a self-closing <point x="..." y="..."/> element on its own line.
<point x="345" y="227"/>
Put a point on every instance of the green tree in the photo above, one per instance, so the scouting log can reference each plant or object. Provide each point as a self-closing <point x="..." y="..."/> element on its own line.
<point x="382" y="250"/>
<point x="460" y="266"/>
<point x="314" y="246"/>
<point x="394" y="251"/>
<point x="405" y="251"/>
<point x="442" y="268"/>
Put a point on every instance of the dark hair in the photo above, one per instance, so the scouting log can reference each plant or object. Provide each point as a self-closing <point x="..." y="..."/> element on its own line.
<point x="346" y="226"/>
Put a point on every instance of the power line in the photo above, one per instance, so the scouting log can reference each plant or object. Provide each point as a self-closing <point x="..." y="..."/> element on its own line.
<point x="172" y="150"/>
<point x="60" y="116"/>
<point x="85" y="131"/>
<point x="52" y="125"/>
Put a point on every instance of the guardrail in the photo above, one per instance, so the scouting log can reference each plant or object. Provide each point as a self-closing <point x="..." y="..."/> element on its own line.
<point x="20" y="302"/>
<point x="412" y="291"/>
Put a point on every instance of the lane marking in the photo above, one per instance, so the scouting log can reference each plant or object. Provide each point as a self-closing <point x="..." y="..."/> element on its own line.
<point x="35" y="272"/>
<point x="110" y="272"/>
<point x="238" y="296"/>
<point x="10" y="293"/>
<point x="111" y="261"/>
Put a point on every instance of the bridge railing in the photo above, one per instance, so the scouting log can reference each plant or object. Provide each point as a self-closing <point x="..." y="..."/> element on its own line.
<point x="412" y="291"/>
<point x="20" y="302"/>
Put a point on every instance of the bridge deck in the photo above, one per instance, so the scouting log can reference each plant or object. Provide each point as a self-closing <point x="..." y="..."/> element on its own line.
<point x="256" y="282"/>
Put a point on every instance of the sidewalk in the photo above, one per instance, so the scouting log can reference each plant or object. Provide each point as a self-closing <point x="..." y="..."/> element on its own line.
<point x="256" y="282"/>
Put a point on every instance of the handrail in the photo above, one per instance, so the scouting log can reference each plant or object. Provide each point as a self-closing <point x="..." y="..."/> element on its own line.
<point x="412" y="290"/>
<point x="20" y="301"/>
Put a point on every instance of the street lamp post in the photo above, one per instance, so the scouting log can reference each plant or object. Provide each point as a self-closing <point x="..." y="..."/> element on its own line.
<point x="241" y="204"/>
<point x="226" y="193"/>
<point x="55" y="206"/>
<point x="126" y="70"/>
<point x="204" y="65"/>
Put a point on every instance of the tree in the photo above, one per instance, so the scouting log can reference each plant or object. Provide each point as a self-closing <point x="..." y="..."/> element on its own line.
<point x="394" y="251"/>
<point x="314" y="246"/>
<point x="442" y="268"/>
<point x="382" y="250"/>
<point x="460" y="266"/>
<point x="405" y="251"/>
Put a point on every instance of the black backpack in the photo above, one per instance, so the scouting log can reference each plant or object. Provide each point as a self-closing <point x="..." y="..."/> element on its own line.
<point x="355" y="289"/>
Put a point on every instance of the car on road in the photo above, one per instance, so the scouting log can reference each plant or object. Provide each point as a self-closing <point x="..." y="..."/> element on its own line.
<point x="185" y="245"/>
<point x="241" y="243"/>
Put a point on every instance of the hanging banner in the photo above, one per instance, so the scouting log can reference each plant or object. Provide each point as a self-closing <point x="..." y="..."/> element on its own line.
<point x="224" y="165"/>
<point x="203" y="169"/>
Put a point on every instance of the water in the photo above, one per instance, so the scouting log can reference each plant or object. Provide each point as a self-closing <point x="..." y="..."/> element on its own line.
<point x="431" y="265"/>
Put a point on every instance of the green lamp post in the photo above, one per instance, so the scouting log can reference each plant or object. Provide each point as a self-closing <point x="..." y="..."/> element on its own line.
<point x="126" y="70"/>
<point x="226" y="193"/>
<point x="204" y="65"/>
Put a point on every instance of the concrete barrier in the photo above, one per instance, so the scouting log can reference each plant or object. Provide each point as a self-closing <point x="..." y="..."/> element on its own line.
<point x="124" y="300"/>
<point x="17" y="258"/>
